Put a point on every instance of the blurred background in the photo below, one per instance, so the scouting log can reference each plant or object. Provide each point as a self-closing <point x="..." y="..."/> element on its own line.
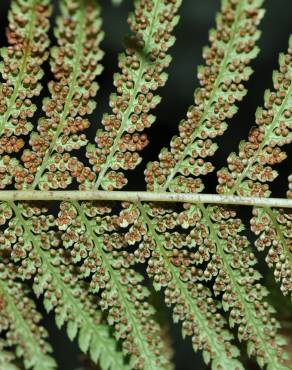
<point x="197" y="17"/>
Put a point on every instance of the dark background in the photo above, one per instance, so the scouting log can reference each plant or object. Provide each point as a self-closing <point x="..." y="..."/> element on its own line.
<point x="197" y="17"/>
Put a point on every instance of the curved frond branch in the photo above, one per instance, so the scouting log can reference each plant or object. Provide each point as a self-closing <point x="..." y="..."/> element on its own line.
<point x="56" y="279"/>
<point x="108" y="267"/>
<point x="142" y="73"/>
<point x="274" y="230"/>
<point x="243" y="295"/>
<point x="21" y="69"/>
<point x="222" y="86"/>
<point x="75" y="65"/>
<point x="24" y="330"/>
<point x="192" y="302"/>
<point x="249" y="172"/>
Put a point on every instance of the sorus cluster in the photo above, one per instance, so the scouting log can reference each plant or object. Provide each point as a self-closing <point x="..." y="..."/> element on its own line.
<point x="221" y="87"/>
<point x="141" y="74"/>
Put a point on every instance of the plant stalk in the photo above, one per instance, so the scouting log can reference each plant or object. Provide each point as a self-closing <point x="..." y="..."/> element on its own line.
<point x="141" y="196"/>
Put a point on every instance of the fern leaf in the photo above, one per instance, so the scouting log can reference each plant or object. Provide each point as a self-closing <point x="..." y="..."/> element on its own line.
<point x="24" y="330"/>
<point x="107" y="265"/>
<point x="75" y="65"/>
<point x="56" y="278"/>
<point x="250" y="171"/>
<point x="142" y="73"/>
<point x="193" y="304"/>
<point x="222" y="86"/>
<point x="21" y="69"/>
<point x="274" y="230"/>
<point x="243" y="295"/>
<point x="179" y="169"/>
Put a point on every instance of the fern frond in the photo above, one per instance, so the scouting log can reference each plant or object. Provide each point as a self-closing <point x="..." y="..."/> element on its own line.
<point x="274" y="230"/>
<point x="174" y="269"/>
<point x="21" y="69"/>
<point x="123" y="295"/>
<point x="75" y="65"/>
<point x="222" y="86"/>
<point x="23" y="323"/>
<point x="108" y="266"/>
<point x="142" y="73"/>
<point x="227" y="252"/>
<point x="55" y="277"/>
<point x="238" y="280"/>
<point x="250" y="171"/>
<point x="246" y="175"/>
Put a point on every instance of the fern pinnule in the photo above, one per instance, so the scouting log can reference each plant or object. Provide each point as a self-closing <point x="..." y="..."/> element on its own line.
<point x="92" y="236"/>
<point x="55" y="277"/>
<point x="142" y="73"/>
<point x="21" y="69"/>
<point x="22" y="325"/>
<point x="273" y="228"/>
<point x="222" y="86"/>
<point x="75" y="65"/>
<point x="174" y="269"/>
<point x="274" y="233"/>
<point x="250" y="171"/>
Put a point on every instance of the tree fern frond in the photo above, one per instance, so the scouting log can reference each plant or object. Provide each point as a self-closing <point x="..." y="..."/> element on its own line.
<point x="23" y="323"/>
<point x="21" y="69"/>
<point x="56" y="279"/>
<point x="227" y="253"/>
<point x="243" y="295"/>
<point x="175" y="270"/>
<point x="249" y="172"/>
<point x="247" y="176"/>
<point x="91" y="265"/>
<point x="75" y="65"/>
<point x="142" y="73"/>
<point x="108" y="266"/>
<point x="274" y="230"/>
<point x="222" y="86"/>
